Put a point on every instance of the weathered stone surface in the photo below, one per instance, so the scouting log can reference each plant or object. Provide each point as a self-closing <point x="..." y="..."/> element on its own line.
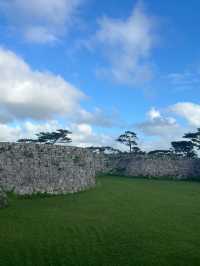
<point x="146" y="166"/>
<point x="3" y="199"/>
<point x="33" y="168"/>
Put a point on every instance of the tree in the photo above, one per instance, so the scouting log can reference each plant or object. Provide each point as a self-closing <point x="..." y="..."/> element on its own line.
<point x="129" y="139"/>
<point x="183" y="148"/>
<point x="194" y="138"/>
<point x="60" y="135"/>
<point x="64" y="138"/>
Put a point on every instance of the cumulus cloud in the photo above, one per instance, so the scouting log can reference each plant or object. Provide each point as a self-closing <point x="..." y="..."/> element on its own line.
<point x="35" y="101"/>
<point x="153" y="114"/>
<point x="162" y="129"/>
<point x="26" y="93"/>
<point x="41" y="21"/>
<point x="128" y="44"/>
<point x="188" y="110"/>
<point x="157" y="125"/>
<point x="84" y="136"/>
<point x="9" y="133"/>
<point x="29" y="94"/>
<point x="28" y="129"/>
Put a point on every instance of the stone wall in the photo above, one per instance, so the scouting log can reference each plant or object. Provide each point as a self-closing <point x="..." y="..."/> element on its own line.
<point x="3" y="199"/>
<point x="147" y="166"/>
<point x="33" y="168"/>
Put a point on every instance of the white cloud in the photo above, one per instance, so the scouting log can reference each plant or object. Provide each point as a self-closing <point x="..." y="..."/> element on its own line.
<point x="9" y="133"/>
<point x="29" y="94"/>
<point x="12" y="133"/>
<point x="25" y="130"/>
<point x="86" y="129"/>
<point x="128" y="44"/>
<point x="84" y="136"/>
<point x="25" y="93"/>
<point x="160" y="126"/>
<point x="153" y="114"/>
<point x="188" y="110"/>
<point x="156" y="144"/>
<point x="41" y="20"/>
<point x="159" y="130"/>
<point x="29" y="129"/>
<point x="29" y="97"/>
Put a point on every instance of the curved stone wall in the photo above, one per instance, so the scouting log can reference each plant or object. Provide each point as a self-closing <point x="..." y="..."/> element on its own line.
<point x="33" y="168"/>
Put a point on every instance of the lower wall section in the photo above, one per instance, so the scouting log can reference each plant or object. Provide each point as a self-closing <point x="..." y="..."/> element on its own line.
<point x="32" y="168"/>
<point x="171" y="168"/>
<point x="3" y="199"/>
<point x="145" y="166"/>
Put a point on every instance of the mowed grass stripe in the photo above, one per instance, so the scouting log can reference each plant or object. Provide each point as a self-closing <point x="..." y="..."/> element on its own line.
<point x="123" y="221"/>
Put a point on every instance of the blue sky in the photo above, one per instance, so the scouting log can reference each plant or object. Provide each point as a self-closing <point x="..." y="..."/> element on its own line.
<point x="99" y="68"/>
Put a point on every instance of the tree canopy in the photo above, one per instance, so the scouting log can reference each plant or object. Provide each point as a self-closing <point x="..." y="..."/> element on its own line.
<point x="194" y="138"/>
<point x="183" y="148"/>
<point x="129" y="139"/>
<point x="58" y="136"/>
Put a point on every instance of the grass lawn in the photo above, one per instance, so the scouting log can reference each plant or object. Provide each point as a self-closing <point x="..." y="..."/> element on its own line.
<point x="123" y="221"/>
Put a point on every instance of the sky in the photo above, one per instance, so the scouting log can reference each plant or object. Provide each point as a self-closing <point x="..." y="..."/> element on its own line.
<point x="99" y="68"/>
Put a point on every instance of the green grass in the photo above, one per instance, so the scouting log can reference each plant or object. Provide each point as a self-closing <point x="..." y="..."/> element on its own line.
<point x="122" y="221"/>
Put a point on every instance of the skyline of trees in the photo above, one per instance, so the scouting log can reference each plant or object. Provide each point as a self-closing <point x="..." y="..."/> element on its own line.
<point x="188" y="147"/>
